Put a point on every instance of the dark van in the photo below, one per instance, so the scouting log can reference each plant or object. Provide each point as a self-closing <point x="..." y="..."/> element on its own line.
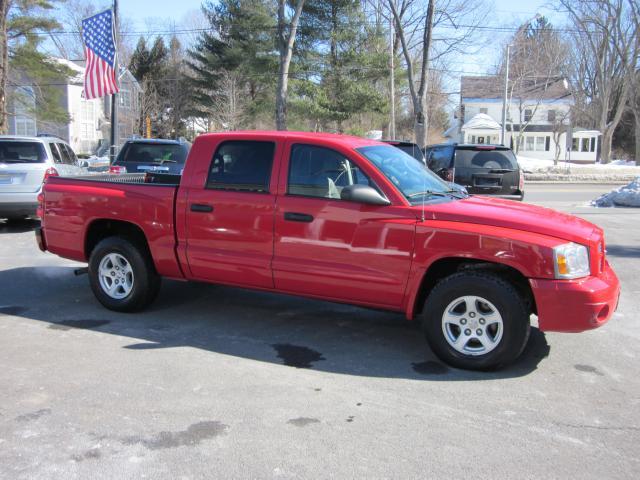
<point x="481" y="169"/>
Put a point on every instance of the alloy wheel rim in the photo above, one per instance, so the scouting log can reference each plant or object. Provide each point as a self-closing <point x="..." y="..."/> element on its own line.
<point x="116" y="276"/>
<point x="472" y="325"/>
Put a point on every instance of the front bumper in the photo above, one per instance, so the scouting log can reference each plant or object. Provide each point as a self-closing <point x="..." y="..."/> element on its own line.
<point x="576" y="305"/>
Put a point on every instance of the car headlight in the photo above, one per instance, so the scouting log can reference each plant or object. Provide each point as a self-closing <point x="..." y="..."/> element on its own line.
<point x="571" y="261"/>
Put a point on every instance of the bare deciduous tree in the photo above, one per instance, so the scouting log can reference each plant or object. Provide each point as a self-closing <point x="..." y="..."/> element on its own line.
<point x="431" y="33"/>
<point x="606" y="43"/>
<point x="286" y="35"/>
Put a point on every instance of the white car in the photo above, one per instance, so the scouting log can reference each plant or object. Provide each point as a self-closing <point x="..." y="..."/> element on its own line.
<point x="25" y="162"/>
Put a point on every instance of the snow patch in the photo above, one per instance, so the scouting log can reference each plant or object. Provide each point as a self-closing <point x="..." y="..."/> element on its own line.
<point x="626" y="196"/>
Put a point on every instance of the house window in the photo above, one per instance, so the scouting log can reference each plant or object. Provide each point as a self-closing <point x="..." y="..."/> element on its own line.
<point x="484" y="110"/>
<point x="585" y="145"/>
<point x="593" y="144"/>
<point x="530" y="143"/>
<point x="25" y="104"/>
<point x="540" y="141"/>
<point x="125" y="98"/>
<point x="87" y="122"/>
<point x="481" y="140"/>
<point x="574" y="145"/>
<point x="528" y="114"/>
<point x="551" y="116"/>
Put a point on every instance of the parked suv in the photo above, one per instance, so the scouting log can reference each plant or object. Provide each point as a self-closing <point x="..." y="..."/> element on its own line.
<point x="481" y="169"/>
<point x="151" y="155"/>
<point x="24" y="164"/>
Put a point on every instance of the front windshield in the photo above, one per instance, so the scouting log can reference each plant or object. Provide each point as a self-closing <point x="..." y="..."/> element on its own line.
<point x="410" y="176"/>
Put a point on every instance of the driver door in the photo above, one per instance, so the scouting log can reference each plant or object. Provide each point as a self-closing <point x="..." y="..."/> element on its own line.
<point x="332" y="248"/>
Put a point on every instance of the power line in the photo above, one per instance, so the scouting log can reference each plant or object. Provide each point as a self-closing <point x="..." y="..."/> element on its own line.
<point x="186" y="31"/>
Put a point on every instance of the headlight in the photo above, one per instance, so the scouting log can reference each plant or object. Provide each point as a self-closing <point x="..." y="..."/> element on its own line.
<point x="571" y="261"/>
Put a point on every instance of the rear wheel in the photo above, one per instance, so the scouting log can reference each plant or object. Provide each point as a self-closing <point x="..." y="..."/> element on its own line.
<point x="122" y="275"/>
<point x="476" y="320"/>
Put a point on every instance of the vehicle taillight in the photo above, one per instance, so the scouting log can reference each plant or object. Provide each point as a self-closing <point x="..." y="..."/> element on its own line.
<point x="49" y="172"/>
<point x="521" y="183"/>
<point x="40" y="209"/>
<point x="117" y="169"/>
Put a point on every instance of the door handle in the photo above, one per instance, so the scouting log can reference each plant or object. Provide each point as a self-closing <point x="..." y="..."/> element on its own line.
<point x="298" y="217"/>
<point x="201" y="208"/>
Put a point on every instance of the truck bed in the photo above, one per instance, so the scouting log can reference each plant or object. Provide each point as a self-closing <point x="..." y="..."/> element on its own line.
<point x="75" y="206"/>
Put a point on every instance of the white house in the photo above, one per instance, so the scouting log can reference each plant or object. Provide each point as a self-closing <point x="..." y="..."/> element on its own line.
<point x="89" y="119"/>
<point x="538" y="119"/>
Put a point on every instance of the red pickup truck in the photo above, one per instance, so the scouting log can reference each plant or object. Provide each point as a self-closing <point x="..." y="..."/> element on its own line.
<point x="343" y="219"/>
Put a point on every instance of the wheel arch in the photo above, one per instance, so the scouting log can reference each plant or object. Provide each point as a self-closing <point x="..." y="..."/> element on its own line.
<point x="100" y="229"/>
<point x="443" y="267"/>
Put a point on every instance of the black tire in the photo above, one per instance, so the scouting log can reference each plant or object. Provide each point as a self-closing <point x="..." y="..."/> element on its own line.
<point x="504" y="297"/>
<point x="145" y="283"/>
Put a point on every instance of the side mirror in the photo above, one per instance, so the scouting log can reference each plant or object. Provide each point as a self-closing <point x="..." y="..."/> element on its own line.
<point x="83" y="164"/>
<point x="363" y="194"/>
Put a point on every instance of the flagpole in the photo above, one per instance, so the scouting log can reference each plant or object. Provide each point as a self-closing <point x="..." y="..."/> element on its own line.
<point x="114" y="103"/>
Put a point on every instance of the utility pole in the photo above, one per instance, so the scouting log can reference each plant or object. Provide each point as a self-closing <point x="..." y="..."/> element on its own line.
<point x="114" y="103"/>
<point x="392" y="79"/>
<point x="504" y="100"/>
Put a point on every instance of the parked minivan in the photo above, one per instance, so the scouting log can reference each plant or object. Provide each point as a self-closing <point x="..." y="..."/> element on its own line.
<point x="481" y="169"/>
<point x="25" y="162"/>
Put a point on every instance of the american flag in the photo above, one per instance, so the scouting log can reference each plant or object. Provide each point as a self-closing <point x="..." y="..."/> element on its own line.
<point x="100" y="76"/>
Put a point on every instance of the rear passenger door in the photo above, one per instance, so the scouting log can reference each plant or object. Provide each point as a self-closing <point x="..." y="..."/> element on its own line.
<point x="230" y="219"/>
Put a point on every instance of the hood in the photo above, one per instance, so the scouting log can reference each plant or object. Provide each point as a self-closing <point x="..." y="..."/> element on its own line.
<point x="515" y="215"/>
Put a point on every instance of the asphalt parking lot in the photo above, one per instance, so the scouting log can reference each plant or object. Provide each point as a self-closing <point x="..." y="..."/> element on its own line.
<point x="216" y="382"/>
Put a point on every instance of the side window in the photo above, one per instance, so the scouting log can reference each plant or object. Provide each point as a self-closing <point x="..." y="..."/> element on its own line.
<point x="440" y="158"/>
<point x="321" y="172"/>
<point x="242" y="165"/>
<point x="71" y="153"/>
<point x="57" y="157"/>
<point x="64" y="153"/>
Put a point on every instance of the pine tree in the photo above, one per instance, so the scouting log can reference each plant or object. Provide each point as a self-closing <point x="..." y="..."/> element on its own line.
<point x="345" y="63"/>
<point x="240" y="47"/>
<point x="21" y="22"/>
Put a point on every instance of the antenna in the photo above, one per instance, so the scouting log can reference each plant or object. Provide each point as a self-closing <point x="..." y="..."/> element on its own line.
<point x="424" y="188"/>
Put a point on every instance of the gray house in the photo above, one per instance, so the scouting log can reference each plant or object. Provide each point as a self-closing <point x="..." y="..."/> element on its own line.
<point x="90" y="119"/>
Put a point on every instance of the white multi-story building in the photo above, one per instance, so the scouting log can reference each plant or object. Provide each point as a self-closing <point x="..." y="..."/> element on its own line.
<point x="538" y="119"/>
<point x="89" y="123"/>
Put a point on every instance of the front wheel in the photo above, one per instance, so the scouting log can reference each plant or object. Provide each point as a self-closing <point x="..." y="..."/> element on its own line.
<point x="122" y="275"/>
<point x="476" y="320"/>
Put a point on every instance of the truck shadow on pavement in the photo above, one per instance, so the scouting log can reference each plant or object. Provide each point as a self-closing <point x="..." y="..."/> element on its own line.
<point x="624" y="251"/>
<point x="279" y="329"/>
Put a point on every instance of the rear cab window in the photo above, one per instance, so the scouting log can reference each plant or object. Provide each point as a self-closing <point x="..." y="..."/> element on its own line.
<point x="485" y="158"/>
<point x="242" y="165"/>
<point x="153" y="153"/>
<point x="321" y="172"/>
<point x="22" y="152"/>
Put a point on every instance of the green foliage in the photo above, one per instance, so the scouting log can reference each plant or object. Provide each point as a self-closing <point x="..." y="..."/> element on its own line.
<point x="345" y="64"/>
<point x="27" y="18"/>
<point x="43" y="76"/>
<point x="242" y="43"/>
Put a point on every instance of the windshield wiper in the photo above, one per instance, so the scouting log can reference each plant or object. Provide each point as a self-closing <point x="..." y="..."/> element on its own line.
<point x="431" y="193"/>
